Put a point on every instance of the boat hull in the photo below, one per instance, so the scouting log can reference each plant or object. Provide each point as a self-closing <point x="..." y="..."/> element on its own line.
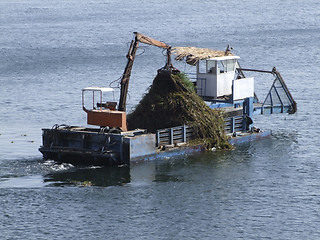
<point x="94" y="147"/>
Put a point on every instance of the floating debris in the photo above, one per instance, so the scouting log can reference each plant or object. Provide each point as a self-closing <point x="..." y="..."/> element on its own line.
<point x="82" y="184"/>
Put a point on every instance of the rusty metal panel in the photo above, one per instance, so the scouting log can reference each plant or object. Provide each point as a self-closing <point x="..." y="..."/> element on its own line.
<point x="107" y="118"/>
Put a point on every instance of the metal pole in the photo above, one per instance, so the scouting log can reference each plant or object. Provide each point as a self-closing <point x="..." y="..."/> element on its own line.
<point x="253" y="70"/>
<point x="126" y="75"/>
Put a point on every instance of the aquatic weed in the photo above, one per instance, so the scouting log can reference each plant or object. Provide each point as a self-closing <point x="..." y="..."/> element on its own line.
<point x="170" y="102"/>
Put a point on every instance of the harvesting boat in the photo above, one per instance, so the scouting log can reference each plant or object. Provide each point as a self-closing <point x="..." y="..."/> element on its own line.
<point x="220" y="86"/>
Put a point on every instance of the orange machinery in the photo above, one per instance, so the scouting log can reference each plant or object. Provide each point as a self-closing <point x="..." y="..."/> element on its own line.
<point x="102" y="113"/>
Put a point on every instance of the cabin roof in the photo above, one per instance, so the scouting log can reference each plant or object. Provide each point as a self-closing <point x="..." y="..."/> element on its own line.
<point x="193" y="54"/>
<point x="223" y="58"/>
<point x="102" y="89"/>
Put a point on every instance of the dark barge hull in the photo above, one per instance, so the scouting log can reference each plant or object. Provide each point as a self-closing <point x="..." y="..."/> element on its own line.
<point x="94" y="146"/>
<point x="79" y="157"/>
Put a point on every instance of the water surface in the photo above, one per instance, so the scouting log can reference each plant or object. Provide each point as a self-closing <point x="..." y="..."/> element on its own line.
<point x="50" y="50"/>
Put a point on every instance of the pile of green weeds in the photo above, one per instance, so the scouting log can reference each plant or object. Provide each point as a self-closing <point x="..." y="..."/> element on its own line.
<point x="172" y="101"/>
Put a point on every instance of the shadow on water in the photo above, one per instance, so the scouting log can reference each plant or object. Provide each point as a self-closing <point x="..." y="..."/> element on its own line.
<point x="39" y="173"/>
<point x="177" y="169"/>
<point x="34" y="173"/>
<point x="216" y="165"/>
<point x="89" y="176"/>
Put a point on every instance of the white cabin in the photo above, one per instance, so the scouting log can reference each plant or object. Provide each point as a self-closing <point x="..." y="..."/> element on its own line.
<point x="216" y="78"/>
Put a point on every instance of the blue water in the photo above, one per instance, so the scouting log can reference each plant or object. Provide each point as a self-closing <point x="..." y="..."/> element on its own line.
<point x="50" y="50"/>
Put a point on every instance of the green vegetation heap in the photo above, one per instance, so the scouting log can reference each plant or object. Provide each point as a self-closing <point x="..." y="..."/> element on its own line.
<point x="172" y="101"/>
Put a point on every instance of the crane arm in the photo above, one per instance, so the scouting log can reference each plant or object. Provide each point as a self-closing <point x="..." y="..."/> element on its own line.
<point x="144" y="39"/>
<point x="131" y="56"/>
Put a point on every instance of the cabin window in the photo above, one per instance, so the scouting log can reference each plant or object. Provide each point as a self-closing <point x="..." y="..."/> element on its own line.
<point x="201" y="67"/>
<point x="227" y="65"/>
<point x="221" y="66"/>
<point x="230" y="64"/>
<point x="211" y="66"/>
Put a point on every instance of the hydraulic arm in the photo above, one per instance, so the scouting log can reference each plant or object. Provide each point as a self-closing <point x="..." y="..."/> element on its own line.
<point x="131" y="56"/>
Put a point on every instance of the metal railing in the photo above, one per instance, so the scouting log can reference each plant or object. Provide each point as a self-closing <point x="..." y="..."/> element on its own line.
<point x="279" y="98"/>
<point x="183" y="134"/>
<point x="173" y="136"/>
<point x="235" y="124"/>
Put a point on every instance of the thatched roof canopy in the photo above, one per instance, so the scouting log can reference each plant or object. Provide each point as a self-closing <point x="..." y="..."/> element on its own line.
<point x="194" y="54"/>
